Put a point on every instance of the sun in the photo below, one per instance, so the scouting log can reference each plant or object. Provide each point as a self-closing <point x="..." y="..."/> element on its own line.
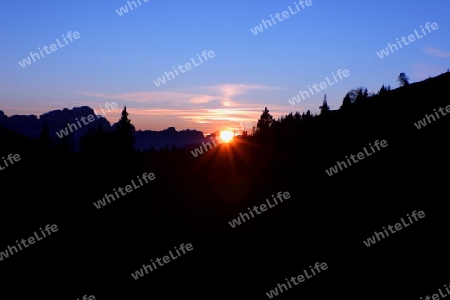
<point x="226" y="136"/>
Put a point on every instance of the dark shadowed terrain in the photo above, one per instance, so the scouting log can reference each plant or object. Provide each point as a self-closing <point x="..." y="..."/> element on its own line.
<point x="193" y="199"/>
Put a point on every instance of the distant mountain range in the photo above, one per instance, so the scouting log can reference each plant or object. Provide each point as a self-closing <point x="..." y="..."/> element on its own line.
<point x="57" y="120"/>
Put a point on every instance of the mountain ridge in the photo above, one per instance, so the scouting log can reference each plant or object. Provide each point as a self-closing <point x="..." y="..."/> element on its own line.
<point x="31" y="126"/>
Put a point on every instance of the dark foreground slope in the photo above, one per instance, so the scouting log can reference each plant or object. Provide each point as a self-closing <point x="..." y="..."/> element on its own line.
<point x="192" y="199"/>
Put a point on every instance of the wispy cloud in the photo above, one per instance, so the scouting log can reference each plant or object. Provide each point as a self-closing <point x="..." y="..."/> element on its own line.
<point x="223" y="94"/>
<point x="213" y="119"/>
<point x="169" y="98"/>
<point x="229" y="91"/>
<point x="437" y="52"/>
<point x="206" y="107"/>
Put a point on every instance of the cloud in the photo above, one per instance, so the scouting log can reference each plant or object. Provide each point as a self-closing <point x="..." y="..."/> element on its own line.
<point x="229" y="90"/>
<point x="221" y="117"/>
<point x="223" y="94"/>
<point x="437" y="52"/>
<point x="169" y="98"/>
<point x="205" y="107"/>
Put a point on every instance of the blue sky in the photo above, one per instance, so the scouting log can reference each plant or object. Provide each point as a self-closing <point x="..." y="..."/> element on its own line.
<point x="118" y="58"/>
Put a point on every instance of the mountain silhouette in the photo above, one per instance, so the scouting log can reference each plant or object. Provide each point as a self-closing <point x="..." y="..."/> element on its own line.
<point x="194" y="200"/>
<point x="57" y="120"/>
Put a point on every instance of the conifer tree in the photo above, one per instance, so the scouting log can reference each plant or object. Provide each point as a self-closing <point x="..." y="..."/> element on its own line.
<point x="324" y="109"/>
<point x="346" y="103"/>
<point x="264" y="122"/>
<point x="403" y="79"/>
<point x="124" y="133"/>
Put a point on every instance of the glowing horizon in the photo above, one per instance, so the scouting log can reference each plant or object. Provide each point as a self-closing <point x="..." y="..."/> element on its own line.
<point x="119" y="60"/>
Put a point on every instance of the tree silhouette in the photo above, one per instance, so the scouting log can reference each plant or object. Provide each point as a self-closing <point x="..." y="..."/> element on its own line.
<point x="308" y="115"/>
<point x="264" y="123"/>
<point x="403" y="79"/>
<point x="324" y="109"/>
<point x="346" y="102"/>
<point x="253" y="131"/>
<point x="89" y="142"/>
<point x="361" y="96"/>
<point x="383" y="90"/>
<point x="124" y="133"/>
<point x="96" y="141"/>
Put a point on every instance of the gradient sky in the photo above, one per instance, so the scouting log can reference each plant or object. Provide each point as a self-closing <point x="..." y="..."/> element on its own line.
<point x="117" y="58"/>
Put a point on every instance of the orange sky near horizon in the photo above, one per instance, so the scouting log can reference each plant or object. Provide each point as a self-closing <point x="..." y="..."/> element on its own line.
<point x="206" y="120"/>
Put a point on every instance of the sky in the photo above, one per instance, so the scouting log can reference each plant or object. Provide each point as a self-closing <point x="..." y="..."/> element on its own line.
<point x="118" y="56"/>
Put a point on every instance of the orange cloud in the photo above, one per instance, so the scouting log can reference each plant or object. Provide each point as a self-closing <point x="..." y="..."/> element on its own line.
<point x="206" y="108"/>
